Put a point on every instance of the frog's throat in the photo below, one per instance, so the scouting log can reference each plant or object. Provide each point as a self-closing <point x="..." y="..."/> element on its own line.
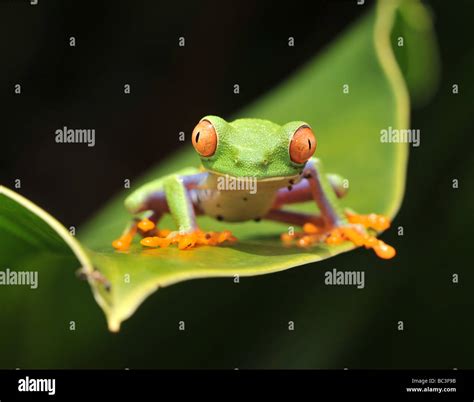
<point x="259" y="180"/>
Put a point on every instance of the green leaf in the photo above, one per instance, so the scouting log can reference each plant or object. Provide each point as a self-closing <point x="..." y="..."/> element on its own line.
<point x="32" y="238"/>
<point x="22" y="222"/>
<point x="348" y="129"/>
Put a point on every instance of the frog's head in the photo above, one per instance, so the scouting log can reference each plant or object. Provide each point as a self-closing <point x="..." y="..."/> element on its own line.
<point x="253" y="147"/>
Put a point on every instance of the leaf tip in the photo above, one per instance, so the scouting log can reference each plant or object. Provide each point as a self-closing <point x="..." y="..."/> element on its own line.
<point x="113" y="325"/>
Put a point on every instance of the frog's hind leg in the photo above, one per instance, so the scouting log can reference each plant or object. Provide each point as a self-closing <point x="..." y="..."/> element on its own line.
<point x="293" y="218"/>
<point x="333" y="226"/>
<point x="315" y="231"/>
<point x="314" y="226"/>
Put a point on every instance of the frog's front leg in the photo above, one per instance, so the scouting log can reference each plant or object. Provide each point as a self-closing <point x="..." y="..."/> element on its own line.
<point x="172" y="194"/>
<point x="332" y="226"/>
<point x="181" y="201"/>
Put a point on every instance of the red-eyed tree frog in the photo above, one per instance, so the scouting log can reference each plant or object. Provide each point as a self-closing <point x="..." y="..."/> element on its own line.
<point x="251" y="169"/>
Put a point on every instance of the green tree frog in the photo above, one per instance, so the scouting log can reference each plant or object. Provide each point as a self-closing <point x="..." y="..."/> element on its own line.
<point x="251" y="169"/>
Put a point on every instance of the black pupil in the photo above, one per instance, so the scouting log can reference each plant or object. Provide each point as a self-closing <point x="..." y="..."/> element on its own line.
<point x="197" y="136"/>
<point x="309" y="143"/>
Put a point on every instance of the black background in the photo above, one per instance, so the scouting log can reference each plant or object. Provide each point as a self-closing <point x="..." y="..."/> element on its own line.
<point x="172" y="87"/>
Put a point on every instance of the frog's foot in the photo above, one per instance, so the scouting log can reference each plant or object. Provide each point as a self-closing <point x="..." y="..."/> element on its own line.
<point x="358" y="235"/>
<point x="370" y="221"/>
<point x="144" y="227"/>
<point x="312" y="234"/>
<point x="355" y="233"/>
<point x="186" y="241"/>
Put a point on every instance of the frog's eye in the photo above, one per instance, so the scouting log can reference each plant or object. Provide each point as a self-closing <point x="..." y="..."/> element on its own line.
<point x="204" y="138"/>
<point x="302" y="145"/>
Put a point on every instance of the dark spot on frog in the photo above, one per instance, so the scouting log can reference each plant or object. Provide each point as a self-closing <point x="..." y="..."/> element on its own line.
<point x="290" y="188"/>
<point x="291" y="181"/>
<point x="257" y="219"/>
<point x="208" y="236"/>
<point x="219" y="218"/>
<point x="245" y="198"/>
<point x="218" y="205"/>
<point x="307" y="176"/>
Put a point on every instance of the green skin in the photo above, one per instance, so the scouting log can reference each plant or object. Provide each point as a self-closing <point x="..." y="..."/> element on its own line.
<point x="253" y="149"/>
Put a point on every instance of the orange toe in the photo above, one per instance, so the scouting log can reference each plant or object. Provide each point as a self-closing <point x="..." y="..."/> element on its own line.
<point x="187" y="241"/>
<point x="150" y="241"/>
<point x="164" y="232"/>
<point x="311" y="228"/>
<point x="122" y="243"/>
<point x="146" y="225"/>
<point x="305" y="241"/>
<point x="287" y="238"/>
<point x="384" y="251"/>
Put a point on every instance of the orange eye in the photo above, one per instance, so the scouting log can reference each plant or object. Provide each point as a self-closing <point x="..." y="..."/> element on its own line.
<point x="204" y="138"/>
<point x="302" y="145"/>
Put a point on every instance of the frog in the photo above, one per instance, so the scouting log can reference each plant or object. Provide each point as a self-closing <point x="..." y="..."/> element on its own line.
<point x="251" y="170"/>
